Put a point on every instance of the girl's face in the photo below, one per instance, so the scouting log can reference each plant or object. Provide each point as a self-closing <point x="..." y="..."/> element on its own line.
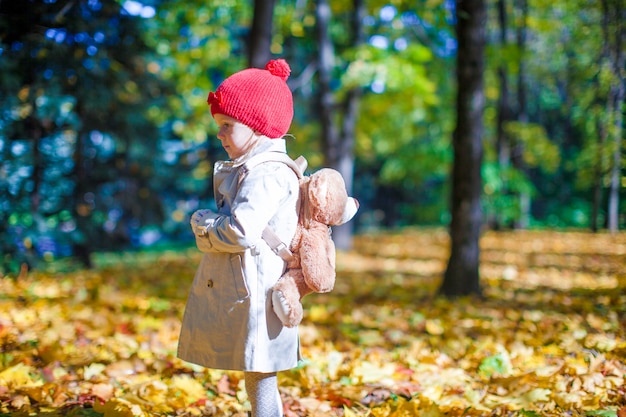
<point x="236" y="138"/>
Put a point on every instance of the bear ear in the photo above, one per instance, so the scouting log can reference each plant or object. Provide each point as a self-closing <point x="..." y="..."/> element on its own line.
<point x="318" y="189"/>
<point x="327" y="196"/>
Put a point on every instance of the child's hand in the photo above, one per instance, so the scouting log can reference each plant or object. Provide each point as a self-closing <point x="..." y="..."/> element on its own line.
<point x="201" y="220"/>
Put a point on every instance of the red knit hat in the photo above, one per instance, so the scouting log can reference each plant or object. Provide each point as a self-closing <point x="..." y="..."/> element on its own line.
<point x="258" y="98"/>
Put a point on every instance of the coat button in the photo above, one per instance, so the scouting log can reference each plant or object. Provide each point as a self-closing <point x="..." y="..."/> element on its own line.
<point x="209" y="283"/>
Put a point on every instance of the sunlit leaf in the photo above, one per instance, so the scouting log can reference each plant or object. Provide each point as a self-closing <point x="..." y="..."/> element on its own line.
<point x="94" y="369"/>
<point x="118" y="408"/>
<point x="18" y="375"/>
<point x="188" y="387"/>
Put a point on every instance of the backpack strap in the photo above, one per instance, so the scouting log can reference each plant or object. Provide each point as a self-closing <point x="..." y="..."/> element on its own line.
<point x="298" y="166"/>
<point x="279" y="247"/>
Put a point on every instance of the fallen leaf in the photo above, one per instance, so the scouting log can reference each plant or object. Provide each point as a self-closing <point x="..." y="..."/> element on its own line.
<point x="19" y="375"/>
<point x="103" y="391"/>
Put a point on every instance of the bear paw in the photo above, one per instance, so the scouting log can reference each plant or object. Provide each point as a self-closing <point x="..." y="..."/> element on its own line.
<point x="288" y="314"/>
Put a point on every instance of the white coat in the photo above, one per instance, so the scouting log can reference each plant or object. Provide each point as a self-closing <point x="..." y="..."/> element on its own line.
<point x="229" y="322"/>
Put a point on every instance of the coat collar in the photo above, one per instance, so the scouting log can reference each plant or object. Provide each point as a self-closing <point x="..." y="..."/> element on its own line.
<point x="264" y="145"/>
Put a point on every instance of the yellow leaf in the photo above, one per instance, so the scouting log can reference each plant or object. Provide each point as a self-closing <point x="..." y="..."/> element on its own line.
<point x="538" y="394"/>
<point x="189" y="387"/>
<point x="414" y="408"/>
<point x="601" y="342"/>
<point x="475" y="398"/>
<point x="18" y="375"/>
<point x="118" y="407"/>
<point x="367" y="372"/>
<point x="153" y="392"/>
<point x="335" y="359"/>
<point x="382" y="410"/>
<point x="570" y="399"/>
<point x="530" y="398"/>
<point x="434" y="327"/>
<point x="348" y="412"/>
<point x="95" y="369"/>
<point x="433" y="392"/>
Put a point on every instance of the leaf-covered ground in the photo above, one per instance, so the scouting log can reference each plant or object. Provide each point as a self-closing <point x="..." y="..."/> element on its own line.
<point x="547" y="339"/>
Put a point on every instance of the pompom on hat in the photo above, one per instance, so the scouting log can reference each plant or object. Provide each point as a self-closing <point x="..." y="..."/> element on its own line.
<point x="258" y="98"/>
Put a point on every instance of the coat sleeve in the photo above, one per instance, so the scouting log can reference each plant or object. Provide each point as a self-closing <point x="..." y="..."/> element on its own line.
<point x="260" y="196"/>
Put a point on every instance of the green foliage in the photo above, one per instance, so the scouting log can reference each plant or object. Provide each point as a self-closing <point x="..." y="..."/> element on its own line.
<point x="502" y="187"/>
<point x="566" y="80"/>
<point x="398" y="71"/>
<point x="538" y="150"/>
<point x="403" y="130"/>
<point x="591" y="162"/>
<point x="397" y="114"/>
<point x="197" y="44"/>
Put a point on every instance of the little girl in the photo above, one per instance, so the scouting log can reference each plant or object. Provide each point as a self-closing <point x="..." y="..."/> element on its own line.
<point x="229" y="322"/>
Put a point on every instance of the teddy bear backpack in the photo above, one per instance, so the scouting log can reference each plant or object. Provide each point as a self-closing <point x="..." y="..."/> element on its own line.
<point x="310" y="256"/>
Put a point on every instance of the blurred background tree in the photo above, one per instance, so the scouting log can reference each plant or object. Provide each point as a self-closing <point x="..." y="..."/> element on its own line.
<point x="462" y="272"/>
<point x="106" y="142"/>
<point x="78" y="152"/>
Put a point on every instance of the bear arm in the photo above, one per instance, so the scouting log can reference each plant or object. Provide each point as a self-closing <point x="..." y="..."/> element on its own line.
<point x="317" y="253"/>
<point x="294" y="247"/>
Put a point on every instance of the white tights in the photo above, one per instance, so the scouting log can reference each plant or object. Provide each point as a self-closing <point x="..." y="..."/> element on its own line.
<point x="262" y="389"/>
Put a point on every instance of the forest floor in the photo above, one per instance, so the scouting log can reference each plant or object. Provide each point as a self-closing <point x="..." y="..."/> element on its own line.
<point x="548" y="338"/>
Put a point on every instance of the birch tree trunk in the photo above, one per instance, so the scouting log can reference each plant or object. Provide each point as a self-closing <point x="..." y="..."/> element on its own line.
<point x="616" y="168"/>
<point x="327" y="104"/>
<point x="338" y="139"/>
<point x="613" y="39"/>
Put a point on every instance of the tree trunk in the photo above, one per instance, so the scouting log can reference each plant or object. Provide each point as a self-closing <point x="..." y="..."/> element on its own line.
<point x="462" y="274"/>
<point x="261" y="33"/>
<point x="524" y="198"/>
<point x="82" y="236"/>
<point x="342" y="235"/>
<point x="616" y="169"/>
<point x="338" y="147"/>
<point x="613" y="40"/>
<point x="503" y="147"/>
<point x="596" y="189"/>
<point x="327" y="105"/>
<point x="345" y="162"/>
